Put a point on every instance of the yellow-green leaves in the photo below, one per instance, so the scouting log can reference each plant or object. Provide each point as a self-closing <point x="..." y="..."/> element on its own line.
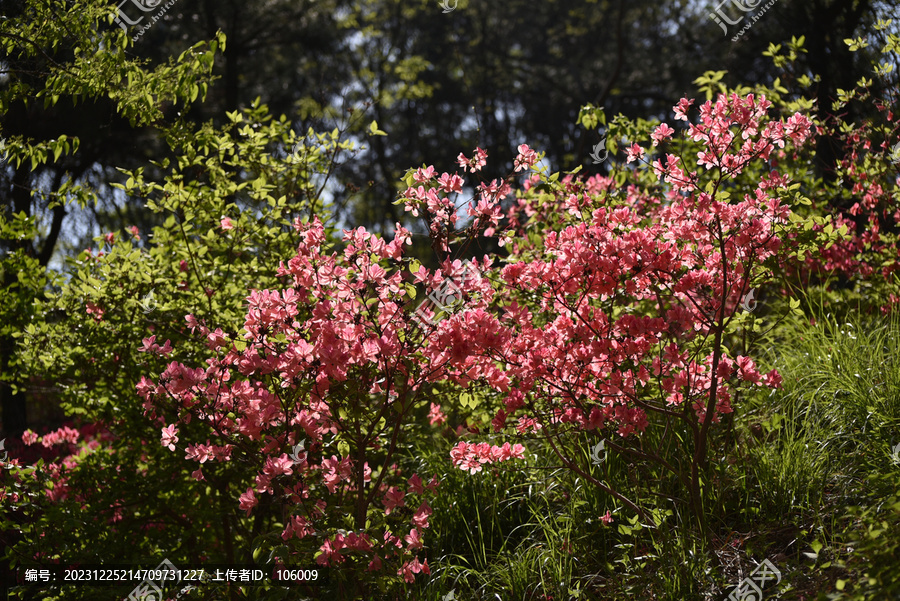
<point x="591" y="117"/>
<point x="856" y="43"/>
<point x="710" y="83"/>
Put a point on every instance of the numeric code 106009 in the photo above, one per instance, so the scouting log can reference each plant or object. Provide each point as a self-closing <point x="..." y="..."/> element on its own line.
<point x="297" y="575"/>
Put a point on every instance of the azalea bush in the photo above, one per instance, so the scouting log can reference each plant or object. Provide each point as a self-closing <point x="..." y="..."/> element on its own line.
<point x="226" y="207"/>
<point x="246" y="383"/>
<point x="618" y="315"/>
<point x="314" y="395"/>
<point x="299" y="414"/>
<point x="861" y="192"/>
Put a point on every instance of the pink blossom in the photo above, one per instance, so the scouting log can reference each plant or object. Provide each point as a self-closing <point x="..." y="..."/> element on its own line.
<point x="413" y="541"/>
<point x="423" y="175"/>
<point x="415" y="484"/>
<point x="169" y="437"/>
<point x="435" y="416"/>
<point x="527" y="424"/>
<point x="248" y="501"/>
<point x="393" y="499"/>
<point x="297" y="527"/>
<point x="420" y="517"/>
<point x="499" y="420"/>
<point x="470" y="457"/>
<point x="635" y="153"/>
<point x="149" y="346"/>
<point x="661" y="133"/>
<point x="334" y="471"/>
<point x="330" y="553"/>
<point x="408" y="569"/>
<point x="526" y="158"/>
<point x="199" y="452"/>
<point x="450" y="183"/>
<point x="62" y="435"/>
<point x="95" y="310"/>
<point x="747" y="369"/>
<point x="681" y="108"/>
<point x="475" y="163"/>
<point x="773" y="379"/>
<point x="277" y="466"/>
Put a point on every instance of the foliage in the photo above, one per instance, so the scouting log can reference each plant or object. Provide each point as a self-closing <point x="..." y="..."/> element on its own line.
<point x="608" y="423"/>
<point x="227" y="207"/>
<point x="621" y="310"/>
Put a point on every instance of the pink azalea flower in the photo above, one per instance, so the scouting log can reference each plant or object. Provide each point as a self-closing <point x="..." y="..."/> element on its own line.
<point x="423" y="175"/>
<point x="475" y="163"/>
<point x="415" y="484"/>
<point x="248" y="501"/>
<point x="681" y="109"/>
<point x="420" y="518"/>
<point x="773" y="379"/>
<point x="635" y="152"/>
<point x="663" y="132"/>
<point x="95" y="310"/>
<point x="526" y="158"/>
<point x="413" y="542"/>
<point x="169" y="437"/>
<point x="29" y="437"/>
<point x="393" y="499"/>
<point x="435" y="416"/>
<point x="199" y="452"/>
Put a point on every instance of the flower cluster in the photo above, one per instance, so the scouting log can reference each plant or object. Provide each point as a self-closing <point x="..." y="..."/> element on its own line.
<point x="322" y="358"/>
<point x="471" y="457"/>
<point x="577" y="363"/>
